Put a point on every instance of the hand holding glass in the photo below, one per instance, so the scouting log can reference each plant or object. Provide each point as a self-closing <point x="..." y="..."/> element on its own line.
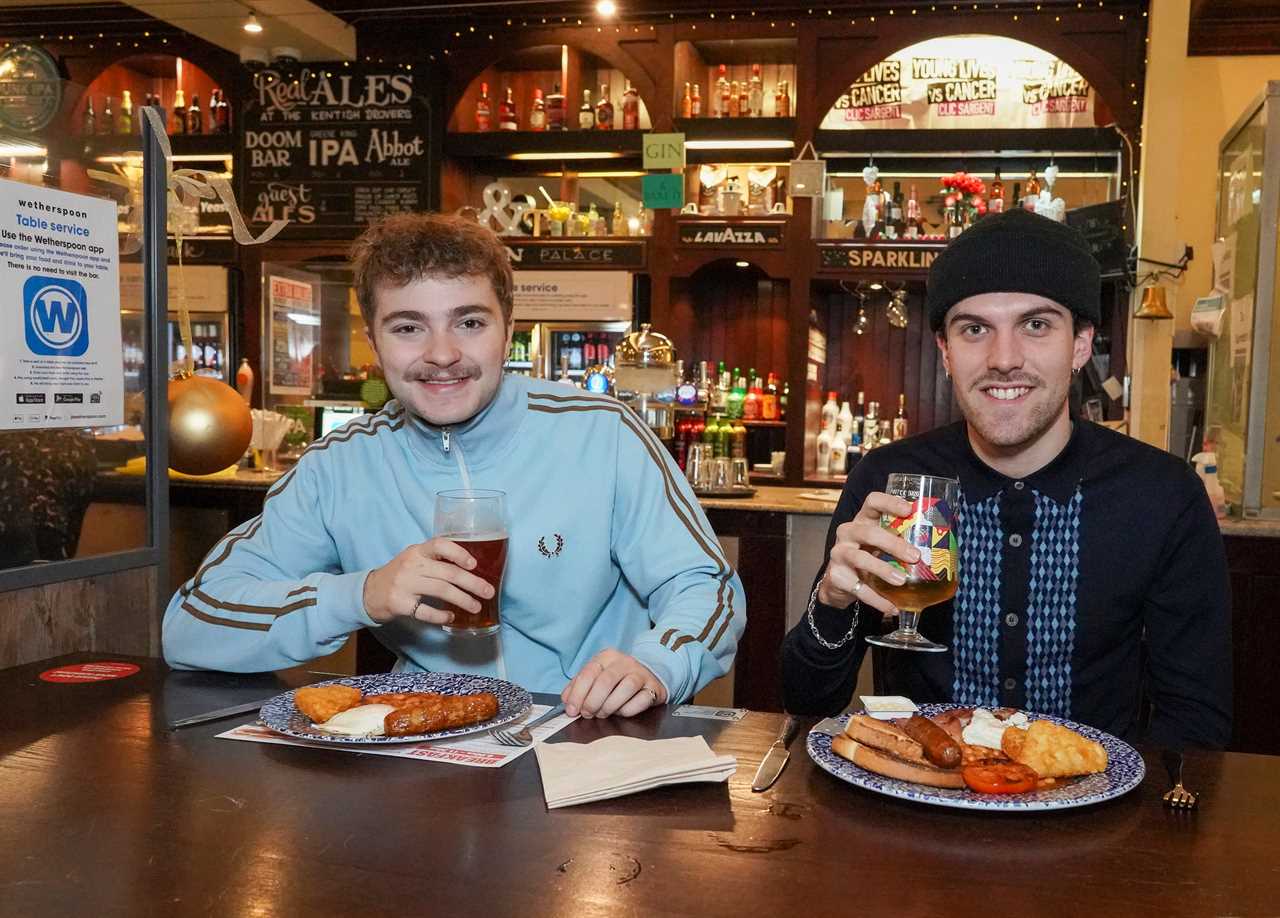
<point x="477" y="521"/>
<point x="930" y="528"/>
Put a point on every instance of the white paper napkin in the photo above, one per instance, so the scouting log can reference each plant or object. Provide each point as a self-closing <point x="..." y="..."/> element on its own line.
<point x="614" y="766"/>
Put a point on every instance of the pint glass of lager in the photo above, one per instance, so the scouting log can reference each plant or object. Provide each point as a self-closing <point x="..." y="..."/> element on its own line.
<point x="930" y="527"/>
<point x="477" y="520"/>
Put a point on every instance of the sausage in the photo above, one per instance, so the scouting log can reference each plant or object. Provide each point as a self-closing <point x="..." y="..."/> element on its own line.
<point x="939" y="748"/>
<point x="441" y="712"/>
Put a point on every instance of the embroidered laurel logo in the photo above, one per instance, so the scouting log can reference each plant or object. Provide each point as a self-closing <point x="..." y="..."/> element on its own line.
<point x="551" y="552"/>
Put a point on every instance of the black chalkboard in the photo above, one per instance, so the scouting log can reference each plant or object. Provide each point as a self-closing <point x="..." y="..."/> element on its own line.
<point x="331" y="147"/>
<point x="1103" y="228"/>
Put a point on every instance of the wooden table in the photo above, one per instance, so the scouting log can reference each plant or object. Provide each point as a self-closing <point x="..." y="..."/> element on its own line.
<point x="108" y="813"/>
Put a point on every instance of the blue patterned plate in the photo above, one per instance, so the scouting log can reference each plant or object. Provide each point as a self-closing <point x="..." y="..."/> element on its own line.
<point x="281" y="715"/>
<point x="1125" y="771"/>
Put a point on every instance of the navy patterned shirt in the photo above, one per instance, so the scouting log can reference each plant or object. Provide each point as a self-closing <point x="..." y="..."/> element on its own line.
<point x="1093" y="584"/>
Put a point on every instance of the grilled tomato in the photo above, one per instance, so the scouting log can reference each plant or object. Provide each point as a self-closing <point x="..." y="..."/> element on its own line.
<point x="1000" y="778"/>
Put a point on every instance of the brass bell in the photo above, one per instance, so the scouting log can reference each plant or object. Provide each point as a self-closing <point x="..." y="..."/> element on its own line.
<point x="1155" y="304"/>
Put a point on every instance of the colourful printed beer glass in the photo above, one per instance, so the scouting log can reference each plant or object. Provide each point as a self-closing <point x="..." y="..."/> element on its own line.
<point x="930" y="527"/>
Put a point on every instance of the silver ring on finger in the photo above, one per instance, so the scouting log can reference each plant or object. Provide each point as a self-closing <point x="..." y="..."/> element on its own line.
<point x="857" y="585"/>
<point x="422" y="601"/>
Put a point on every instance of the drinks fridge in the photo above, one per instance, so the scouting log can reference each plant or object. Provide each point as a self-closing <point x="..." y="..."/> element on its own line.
<point x="550" y="350"/>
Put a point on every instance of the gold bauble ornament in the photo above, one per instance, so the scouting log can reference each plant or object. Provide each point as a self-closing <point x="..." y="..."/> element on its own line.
<point x="209" y="425"/>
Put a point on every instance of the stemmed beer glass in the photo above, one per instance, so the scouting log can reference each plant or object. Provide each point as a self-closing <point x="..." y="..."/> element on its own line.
<point x="930" y="527"/>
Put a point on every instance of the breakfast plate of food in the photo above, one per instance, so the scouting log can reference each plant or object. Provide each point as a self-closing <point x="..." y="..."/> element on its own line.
<point x="396" y="708"/>
<point x="975" y="758"/>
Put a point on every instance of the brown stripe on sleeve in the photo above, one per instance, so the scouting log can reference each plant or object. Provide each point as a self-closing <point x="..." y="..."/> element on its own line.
<point x="256" y="610"/>
<point x="299" y="590"/>
<point x="666" y="637"/>
<point x="226" y="622"/>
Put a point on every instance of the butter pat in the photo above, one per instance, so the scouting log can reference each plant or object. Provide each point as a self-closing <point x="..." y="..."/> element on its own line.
<point x="888" y="707"/>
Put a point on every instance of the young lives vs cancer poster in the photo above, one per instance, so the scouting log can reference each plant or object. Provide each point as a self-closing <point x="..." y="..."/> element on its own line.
<point x="61" y="363"/>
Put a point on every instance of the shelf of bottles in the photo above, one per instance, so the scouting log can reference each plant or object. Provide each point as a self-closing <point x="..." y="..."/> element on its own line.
<point x="192" y="104"/>
<point x="917" y="205"/>
<point x="751" y="79"/>
<point x="850" y="430"/>
<point x="737" y="415"/>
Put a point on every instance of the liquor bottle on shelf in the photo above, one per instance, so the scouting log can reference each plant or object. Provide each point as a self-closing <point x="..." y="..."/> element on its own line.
<point x="895" y="211"/>
<point x="830" y="410"/>
<point x="604" y="110"/>
<point x="508" y="116"/>
<point x="723" y="92"/>
<point x="107" y="123"/>
<point x="734" y="107"/>
<point x="179" y="113"/>
<point x="955" y="226"/>
<point x="995" y="200"/>
<point x="125" y="123"/>
<point x="914" y="229"/>
<point x="1033" y="192"/>
<point x="686" y="102"/>
<point x="90" y="124"/>
<point x="619" y="223"/>
<point x="859" y="420"/>
<point x="751" y="408"/>
<point x="824" y="450"/>
<point x="703" y="387"/>
<point x="844" y="421"/>
<point x="744" y="100"/>
<point x="484" y="109"/>
<point x="900" y="420"/>
<point x="838" y="458"/>
<point x="785" y="110"/>
<point x="769" y="401"/>
<point x="555" y="109"/>
<point x="586" y="114"/>
<point x="538" y="112"/>
<point x="222" y="114"/>
<point x="755" y="93"/>
<point x="1017" y="194"/>
<point x="871" y="427"/>
<point x="195" y="117"/>
<point x="630" y="108"/>
<point x="737" y="392"/>
<point x="695" y="102"/>
<point x="782" y="401"/>
<point x="686" y="392"/>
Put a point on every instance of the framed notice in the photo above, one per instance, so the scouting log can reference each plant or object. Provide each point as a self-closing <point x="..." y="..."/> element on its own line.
<point x="61" y="363"/>
<point x="331" y="147"/>
<point x="293" y="323"/>
<point x="571" y="296"/>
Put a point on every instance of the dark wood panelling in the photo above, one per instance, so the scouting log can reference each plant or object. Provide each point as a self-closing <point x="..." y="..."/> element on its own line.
<point x="885" y="360"/>
<point x="1233" y="27"/>
<point x="1254" y="565"/>
<point x="732" y="314"/>
<point x="113" y="613"/>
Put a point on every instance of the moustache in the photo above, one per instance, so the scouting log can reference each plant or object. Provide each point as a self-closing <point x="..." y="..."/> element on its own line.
<point x="431" y="375"/>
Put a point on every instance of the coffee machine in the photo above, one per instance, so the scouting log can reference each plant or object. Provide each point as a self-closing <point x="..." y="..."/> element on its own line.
<point x="645" y="379"/>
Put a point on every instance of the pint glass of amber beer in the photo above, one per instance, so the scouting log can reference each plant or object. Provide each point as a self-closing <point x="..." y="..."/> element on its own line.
<point x="930" y="527"/>
<point x="477" y="520"/>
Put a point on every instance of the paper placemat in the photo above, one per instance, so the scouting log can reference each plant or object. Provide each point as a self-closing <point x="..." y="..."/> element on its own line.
<point x="478" y="750"/>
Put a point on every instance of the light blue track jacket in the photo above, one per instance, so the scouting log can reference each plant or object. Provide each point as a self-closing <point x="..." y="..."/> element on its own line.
<point x="608" y="548"/>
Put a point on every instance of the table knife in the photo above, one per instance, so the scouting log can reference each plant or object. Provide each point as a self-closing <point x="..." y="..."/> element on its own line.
<point x="218" y="714"/>
<point x="776" y="758"/>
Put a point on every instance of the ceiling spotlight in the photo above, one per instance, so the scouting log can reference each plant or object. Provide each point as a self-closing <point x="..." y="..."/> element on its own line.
<point x="606" y="8"/>
<point x="876" y="285"/>
<point x="251" y="25"/>
<point x="743" y="264"/>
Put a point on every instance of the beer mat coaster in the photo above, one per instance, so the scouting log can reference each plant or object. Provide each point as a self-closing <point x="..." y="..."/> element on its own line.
<point x="709" y="713"/>
<point x="478" y="750"/>
<point x="826" y="497"/>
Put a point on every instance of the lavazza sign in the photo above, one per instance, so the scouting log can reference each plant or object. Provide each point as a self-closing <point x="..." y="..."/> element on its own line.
<point x="760" y="234"/>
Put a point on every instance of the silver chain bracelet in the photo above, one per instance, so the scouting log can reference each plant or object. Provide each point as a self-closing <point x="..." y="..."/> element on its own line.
<point x="813" y="627"/>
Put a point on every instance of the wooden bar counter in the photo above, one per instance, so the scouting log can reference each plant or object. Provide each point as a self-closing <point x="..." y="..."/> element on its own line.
<point x="112" y="814"/>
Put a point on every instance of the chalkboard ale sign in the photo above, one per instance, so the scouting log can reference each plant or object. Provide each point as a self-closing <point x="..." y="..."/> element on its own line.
<point x="331" y="147"/>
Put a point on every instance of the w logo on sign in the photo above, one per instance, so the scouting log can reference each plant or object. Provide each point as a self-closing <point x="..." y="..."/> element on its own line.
<point x="56" y="316"/>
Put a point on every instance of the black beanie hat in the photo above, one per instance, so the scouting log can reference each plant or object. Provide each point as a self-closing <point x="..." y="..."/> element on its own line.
<point x="1017" y="252"/>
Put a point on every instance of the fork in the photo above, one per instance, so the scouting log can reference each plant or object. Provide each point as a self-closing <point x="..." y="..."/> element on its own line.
<point x="1178" y="797"/>
<point x="523" y="737"/>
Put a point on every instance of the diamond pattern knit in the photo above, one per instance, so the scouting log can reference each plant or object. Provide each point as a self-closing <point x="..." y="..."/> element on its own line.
<point x="1051" y="604"/>
<point x="975" y="636"/>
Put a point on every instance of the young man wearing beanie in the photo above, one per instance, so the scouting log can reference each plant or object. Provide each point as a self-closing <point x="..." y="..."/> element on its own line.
<point x="616" y="593"/>
<point x="1092" y="570"/>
